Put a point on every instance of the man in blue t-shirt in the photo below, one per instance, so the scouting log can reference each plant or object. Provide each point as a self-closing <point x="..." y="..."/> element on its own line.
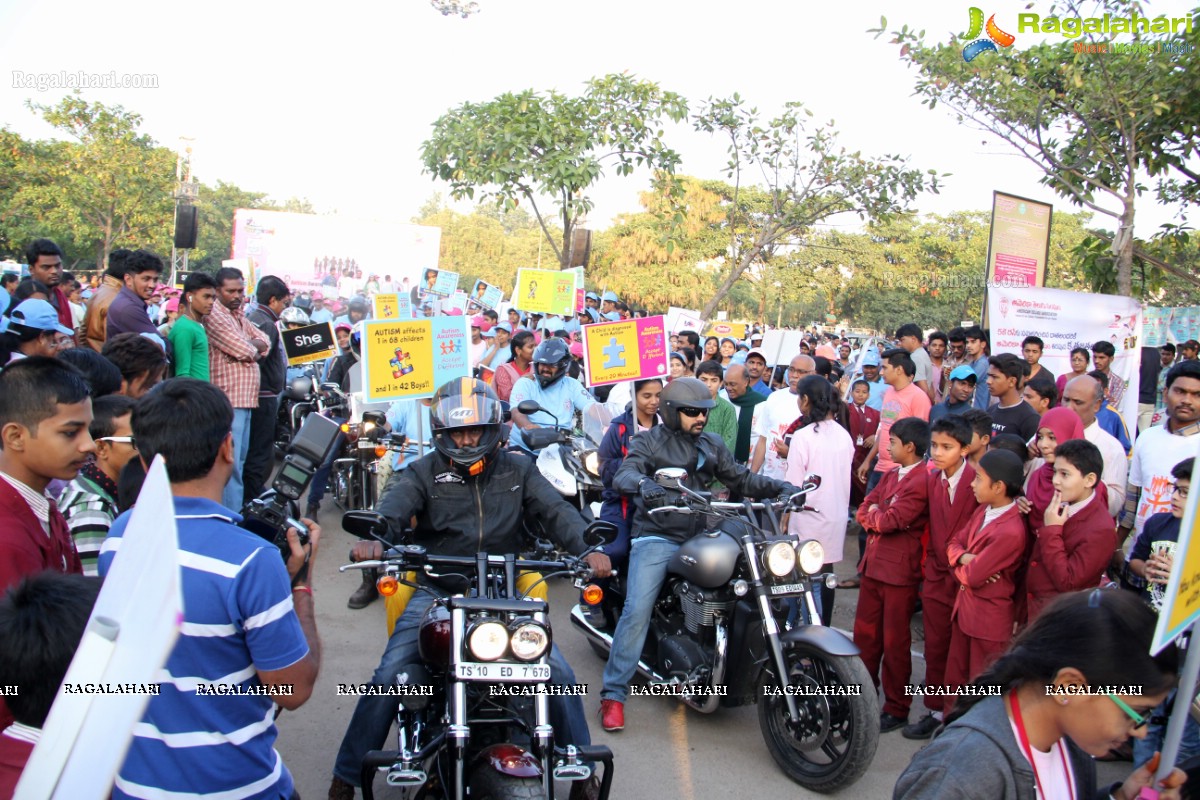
<point x="549" y="385"/>
<point x="248" y="625"/>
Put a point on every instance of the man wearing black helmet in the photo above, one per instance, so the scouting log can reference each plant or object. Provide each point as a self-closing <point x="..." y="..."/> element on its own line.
<point x="548" y="383"/>
<point x="468" y="478"/>
<point x="679" y="442"/>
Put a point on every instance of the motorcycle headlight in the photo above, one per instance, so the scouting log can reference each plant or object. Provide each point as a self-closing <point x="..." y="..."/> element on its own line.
<point x="487" y="641"/>
<point x="780" y="558"/>
<point x="530" y="641"/>
<point x="812" y="557"/>
<point x="591" y="462"/>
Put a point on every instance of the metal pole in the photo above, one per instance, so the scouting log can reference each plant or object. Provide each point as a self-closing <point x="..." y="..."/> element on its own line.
<point x="420" y="429"/>
<point x="1183" y="705"/>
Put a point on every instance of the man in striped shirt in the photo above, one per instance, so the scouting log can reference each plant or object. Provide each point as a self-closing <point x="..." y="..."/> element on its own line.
<point x="234" y="349"/>
<point x="89" y="503"/>
<point x="248" y="640"/>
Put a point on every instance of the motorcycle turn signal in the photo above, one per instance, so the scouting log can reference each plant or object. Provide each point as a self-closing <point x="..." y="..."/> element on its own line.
<point x="592" y="594"/>
<point x="387" y="585"/>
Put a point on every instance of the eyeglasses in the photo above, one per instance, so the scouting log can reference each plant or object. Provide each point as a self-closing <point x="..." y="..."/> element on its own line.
<point x="1182" y="491"/>
<point x="694" y="412"/>
<point x="1138" y="719"/>
<point x="129" y="440"/>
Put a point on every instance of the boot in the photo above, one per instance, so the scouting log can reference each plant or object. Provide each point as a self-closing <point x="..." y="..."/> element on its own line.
<point x="312" y="511"/>
<point x="365" y="594"/>
<point x="340" y="790"/>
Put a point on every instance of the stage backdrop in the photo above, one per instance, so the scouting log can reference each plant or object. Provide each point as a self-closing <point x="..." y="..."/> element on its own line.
<point x="1065" y="320"/>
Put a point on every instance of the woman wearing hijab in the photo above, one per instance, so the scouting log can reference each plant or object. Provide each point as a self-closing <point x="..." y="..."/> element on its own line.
<point x="1056" y="426"/>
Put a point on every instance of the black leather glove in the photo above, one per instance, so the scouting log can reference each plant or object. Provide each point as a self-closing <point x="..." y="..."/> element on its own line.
<point x="653" y="495"/>
<point x="786" y="495"/>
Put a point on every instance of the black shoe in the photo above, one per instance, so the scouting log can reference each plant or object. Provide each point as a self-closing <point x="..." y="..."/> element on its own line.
<point x="922" y="728"/>
<point x="311" y="512"/>
<point x="586" y="790"/>
<point x="889" y="723"/>
<point x="366" y="593"/>
<point x="340" y="790"/>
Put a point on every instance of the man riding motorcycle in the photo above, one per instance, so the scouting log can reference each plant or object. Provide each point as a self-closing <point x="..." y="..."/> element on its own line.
<point x="467" y="479"/>
<point x="554" y="390"/>
<point x="679" y="442"/>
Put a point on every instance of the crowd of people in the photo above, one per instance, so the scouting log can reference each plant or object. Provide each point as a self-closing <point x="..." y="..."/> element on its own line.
<point x="981" y="488"/>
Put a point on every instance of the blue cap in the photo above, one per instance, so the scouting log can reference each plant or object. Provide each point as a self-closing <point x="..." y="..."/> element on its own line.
<point x="488" y="334"/>
<point x="611" y="297"/>
<point x="551" y="324"/>
<point x="504" y="326"/>
<point x="871" y="359"/>
<point x="592" y="296"/>
<point x="4" y="299"/>
<point x="592" y="314"/>
<point x="613" y="316"/>
<point x="37" y="314"/>
<point x="963" y="373"/>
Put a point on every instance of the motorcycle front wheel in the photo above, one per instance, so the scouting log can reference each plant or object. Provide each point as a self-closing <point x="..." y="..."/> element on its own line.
<point x="487" y="784"/>
<point x="834" y="741"/>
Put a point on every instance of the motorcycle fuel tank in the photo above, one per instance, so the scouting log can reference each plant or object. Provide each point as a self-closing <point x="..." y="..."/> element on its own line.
<point x="707" y="559"/>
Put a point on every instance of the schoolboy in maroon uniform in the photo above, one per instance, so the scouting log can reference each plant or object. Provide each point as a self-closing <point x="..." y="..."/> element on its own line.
<point x="894" y="515"/>
<point x="951" y="504"/>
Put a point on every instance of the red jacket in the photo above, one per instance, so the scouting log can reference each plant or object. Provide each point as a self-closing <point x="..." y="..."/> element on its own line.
<point x="895" y="528"/>
<point x="1070" y="557"/>
<point x="863" y="423"/>
<point x="987" y="610"/>
<point x="945" y="518"/>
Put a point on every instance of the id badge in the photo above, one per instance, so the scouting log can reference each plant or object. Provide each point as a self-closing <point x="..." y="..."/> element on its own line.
<point x="859" y="441"/>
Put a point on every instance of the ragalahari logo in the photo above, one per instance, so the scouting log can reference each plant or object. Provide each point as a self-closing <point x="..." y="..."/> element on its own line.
<point x="995" y="36"/>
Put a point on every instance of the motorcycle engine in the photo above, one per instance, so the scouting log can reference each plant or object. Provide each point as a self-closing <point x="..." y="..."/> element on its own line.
<point x="701" y="606"/>
<point x="681" y="657"/>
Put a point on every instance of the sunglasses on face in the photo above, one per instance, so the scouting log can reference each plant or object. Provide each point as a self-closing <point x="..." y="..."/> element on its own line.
<point x="694" y="412"/>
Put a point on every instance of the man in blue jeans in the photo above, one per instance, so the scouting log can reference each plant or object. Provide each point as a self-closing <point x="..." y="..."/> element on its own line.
<point x="679" y="442"/>
<point x="467" y="478"/>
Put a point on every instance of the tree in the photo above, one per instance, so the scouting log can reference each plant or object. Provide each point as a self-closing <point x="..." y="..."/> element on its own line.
<point x="534" y="145"/>
<point x="806" y="178"/>
<point x="109" y="185"/>
<point x="487" y="244"/>
<point x="1089" y="121"/>
<point x="216" y="205"/>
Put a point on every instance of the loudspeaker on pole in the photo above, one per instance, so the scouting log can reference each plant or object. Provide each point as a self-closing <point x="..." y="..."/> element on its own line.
<point x="186" y="226"/>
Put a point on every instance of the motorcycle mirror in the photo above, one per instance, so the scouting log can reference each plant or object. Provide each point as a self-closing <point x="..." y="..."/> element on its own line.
<point x="599" y="532"/>
<point x="812" y="482"/>
<point x="670" y="477"/>
<point x="364" y="524"/>
<point x="528" y="407"/>
<point x="376" y="418"/>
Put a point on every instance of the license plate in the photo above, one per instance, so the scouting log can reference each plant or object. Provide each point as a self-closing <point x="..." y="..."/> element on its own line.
<point x="474" y="671"/>
<point x="787" y="588"/>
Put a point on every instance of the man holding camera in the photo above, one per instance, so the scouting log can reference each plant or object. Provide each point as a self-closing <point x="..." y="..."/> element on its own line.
<point x="249" y="637"/>
<point x="446" y="491"/>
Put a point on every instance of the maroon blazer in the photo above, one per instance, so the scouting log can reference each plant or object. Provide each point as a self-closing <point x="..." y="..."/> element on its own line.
<point x="987" y="610"/>
<point x="863" y="423"/>
<point x="945" y="518"/>
<point x="895" y="529"/>
<point x="1070" y="557"/>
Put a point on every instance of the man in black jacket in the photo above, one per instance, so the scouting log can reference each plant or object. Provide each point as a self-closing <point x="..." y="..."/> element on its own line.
<point x="679" y="442"/>
<point x="273" y="297"/>
<point x="469" y="495"/>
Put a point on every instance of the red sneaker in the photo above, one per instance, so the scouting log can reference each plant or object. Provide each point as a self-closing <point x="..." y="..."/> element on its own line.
<point x="612" y="715"/>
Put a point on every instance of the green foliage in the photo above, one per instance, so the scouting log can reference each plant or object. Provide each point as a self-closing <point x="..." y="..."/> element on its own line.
<point x="531" y="145"/>
<point x="488" y="244"/>
<point x="216" y="205"/>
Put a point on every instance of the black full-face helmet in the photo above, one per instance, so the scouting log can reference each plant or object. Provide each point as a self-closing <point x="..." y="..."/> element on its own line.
<point x="555" y="353"/>
<point x="467" y="403"/>
<point x="682" y="393"/>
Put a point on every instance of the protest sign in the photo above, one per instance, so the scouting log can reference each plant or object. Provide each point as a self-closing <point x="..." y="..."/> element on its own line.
<point x="1181" y="603"/>
<point x="1065" y="320"/>
<point x="455" y="302"/>
<point x="1019" y="243"/>
<point x="735" y="330"/>
<point x="780" y="346"/>
<point x="545" y="291"/>
<point x="310" y="343"/>
<point x="1174" y="325"/>
<point x="439" y="282"/>
<point x="413" y="358"/>
<point x="485" y="295"/>
<point x="628" y="350"/>
<point x="128" y="639"/>
<point x="391" y="306"/>
<point x="580" y="293"/>
<point x="683" y="319"/>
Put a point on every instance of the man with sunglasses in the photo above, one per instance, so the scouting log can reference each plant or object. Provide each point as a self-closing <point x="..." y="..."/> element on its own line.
<point x="89" y="502"/>
<point x="679" y="442"/>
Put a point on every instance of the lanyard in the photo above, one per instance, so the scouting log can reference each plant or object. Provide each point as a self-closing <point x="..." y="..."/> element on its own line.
<point x="1023" y="740"/>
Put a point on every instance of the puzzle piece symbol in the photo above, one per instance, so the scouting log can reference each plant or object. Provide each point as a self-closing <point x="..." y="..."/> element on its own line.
<point x="615" y="353"/>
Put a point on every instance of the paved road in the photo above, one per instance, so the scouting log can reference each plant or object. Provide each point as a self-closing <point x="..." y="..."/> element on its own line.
<point x="665" y="751"/>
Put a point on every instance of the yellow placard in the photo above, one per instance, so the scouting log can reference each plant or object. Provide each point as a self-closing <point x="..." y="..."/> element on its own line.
<point x="735" y="330"/>
<point x="1181" y="605"/>
<point x="545" y="291"/>
<point x="412" y="358"/>
<point x="387" y="306"/>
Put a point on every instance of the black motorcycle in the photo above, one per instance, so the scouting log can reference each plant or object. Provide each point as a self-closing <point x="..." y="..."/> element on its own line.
<point x="718" y="637"/>
<point x="470" y="719"/>
<point x="299" y="399"/>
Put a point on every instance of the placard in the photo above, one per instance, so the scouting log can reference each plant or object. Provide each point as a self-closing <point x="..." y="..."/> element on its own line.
<point x="439" y="282"/>
<point x="580" y="291"/>
<point x="733" y="330"/>
<point x="391" y="306"/>
<point x="781" y="346"/>
<point x="628" y="350"/>
<point x="413" y="358"/>
<point x="1181" y="605"/>
<point x="308" y="344"/>
<point x="1019" y="241"/>
<point x="545" y="291"/>
<point x="485" y="295"/>
<point x="683" y="319"/>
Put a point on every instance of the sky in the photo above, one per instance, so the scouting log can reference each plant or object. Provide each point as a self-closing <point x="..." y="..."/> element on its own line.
<point x="332" y="102"/>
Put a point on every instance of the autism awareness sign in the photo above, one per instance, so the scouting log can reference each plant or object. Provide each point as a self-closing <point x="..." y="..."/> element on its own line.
<point x="410" y="359"/>
<point x="995" y="36"/>
<point x="627" y="350"/>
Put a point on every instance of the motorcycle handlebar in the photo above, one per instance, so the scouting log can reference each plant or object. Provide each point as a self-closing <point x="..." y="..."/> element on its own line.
<point x="410" y="560"/>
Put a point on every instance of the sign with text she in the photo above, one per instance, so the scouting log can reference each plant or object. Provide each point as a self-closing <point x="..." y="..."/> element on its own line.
<point x="392" y="305"/>
<point x="545" y="291"/>
<point x="310" y="343"/>
<point x="628" y="350"/>
<point x="1181" y="605"/>
<point x="1065" y="320"/>
<point x="411" y="359"/>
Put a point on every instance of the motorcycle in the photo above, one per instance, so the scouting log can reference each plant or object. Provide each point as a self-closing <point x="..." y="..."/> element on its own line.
<point x="570" y="460"/>
<point x="471" y="721"/>
<point x="299" y="399"/>
<point x="717" y="637"/>
<point x="366" y="443"/>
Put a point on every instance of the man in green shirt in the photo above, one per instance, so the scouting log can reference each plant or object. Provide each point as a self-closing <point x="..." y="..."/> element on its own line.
<point x="722" y="419"/>
<point x="187" y="336"/>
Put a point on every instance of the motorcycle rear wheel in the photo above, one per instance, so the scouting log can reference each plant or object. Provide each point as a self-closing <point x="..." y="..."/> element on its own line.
<point x="487" y="784"/>
<point x="835" y="740"/>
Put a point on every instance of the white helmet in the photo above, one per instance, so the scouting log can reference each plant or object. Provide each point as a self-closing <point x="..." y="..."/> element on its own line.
<point x="294" y="316"/>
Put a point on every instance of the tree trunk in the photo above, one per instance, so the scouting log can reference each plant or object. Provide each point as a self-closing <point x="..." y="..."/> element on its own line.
<point x="1123" y="250"/>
